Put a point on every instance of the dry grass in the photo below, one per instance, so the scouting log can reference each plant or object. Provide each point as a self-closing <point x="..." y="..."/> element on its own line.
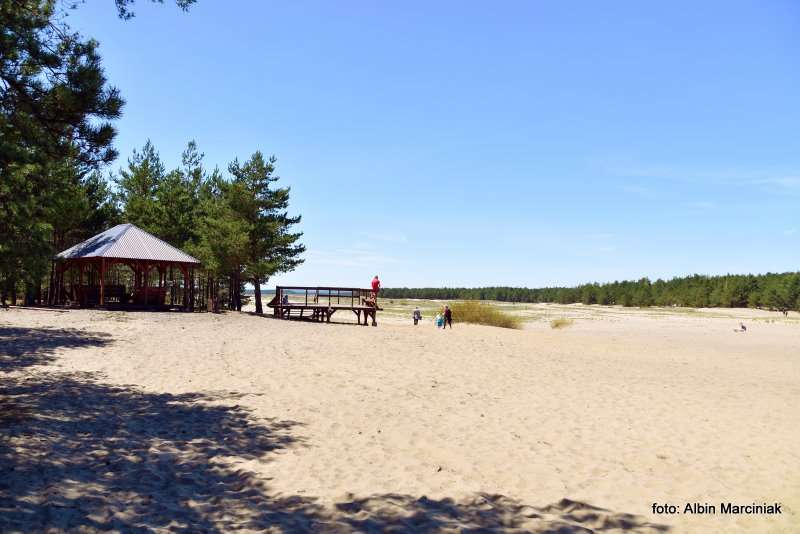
<point x="476" y="312"/>
<point x="561" y="322"/>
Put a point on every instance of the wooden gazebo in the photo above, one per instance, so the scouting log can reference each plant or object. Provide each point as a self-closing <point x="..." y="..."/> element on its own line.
<point x="82" y="272"/>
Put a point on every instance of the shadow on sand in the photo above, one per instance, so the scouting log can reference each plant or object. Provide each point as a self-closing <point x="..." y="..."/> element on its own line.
<point x="308" y="320"/>
<point x="23" y="347"/>
<point x="80" y="455"/>
<point x="483" y="513"/>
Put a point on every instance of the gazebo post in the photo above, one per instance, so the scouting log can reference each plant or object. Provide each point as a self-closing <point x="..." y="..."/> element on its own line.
<point x="191" y="288"/>
<point x="185" y="271"/>
<point x="146" y="276"/>
<point x="102" y="281"/>
<point x="80" y="293"/>
<point x="59" y="282"/>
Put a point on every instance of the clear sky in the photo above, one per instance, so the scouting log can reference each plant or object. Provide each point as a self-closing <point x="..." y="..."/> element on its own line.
<point x="454" y="143"/>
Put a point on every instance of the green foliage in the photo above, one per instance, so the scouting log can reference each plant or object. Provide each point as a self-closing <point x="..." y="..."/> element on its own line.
<point x="775" y="291"/>
<point x="125" y="7"/>
<point x="223" y="235"/>
<point x="56" y="113"/>
<point x="272" y="247"/>
<point x="237" y="227"/>
<point x="471" y="311"/>
<point x="137" y="187"/>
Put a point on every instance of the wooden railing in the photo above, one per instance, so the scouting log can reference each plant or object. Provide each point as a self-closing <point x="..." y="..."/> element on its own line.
<point x="323" y="302"/>
<point x="332" y="296"/>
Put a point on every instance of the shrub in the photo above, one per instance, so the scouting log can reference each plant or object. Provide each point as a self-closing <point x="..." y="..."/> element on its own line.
<point x="561" y="322"/>
<point x="475" y="312"/>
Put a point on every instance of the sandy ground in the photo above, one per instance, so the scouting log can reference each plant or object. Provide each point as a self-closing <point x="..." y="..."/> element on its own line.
<point x="201" y="422"/>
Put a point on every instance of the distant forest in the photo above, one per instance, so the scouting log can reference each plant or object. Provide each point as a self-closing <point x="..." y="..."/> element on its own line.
<point x="773" y="291"/>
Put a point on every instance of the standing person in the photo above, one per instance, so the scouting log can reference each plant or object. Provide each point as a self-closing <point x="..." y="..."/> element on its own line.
<point x="376" y="287"/>
<point x="439" y="320"/>
<point x="448" y="318"/>
<point x="417" y="315"/>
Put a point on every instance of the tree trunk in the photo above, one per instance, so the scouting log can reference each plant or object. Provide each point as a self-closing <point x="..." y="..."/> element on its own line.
<point x="257" y="286"/>
<point x="215" y="294"/>
<point x="30" y="294"/>
<point x="209" y="300"/>
<point x="238" y="291"/>
<point x="51" y="286"/>
<point x="231" y="294"/>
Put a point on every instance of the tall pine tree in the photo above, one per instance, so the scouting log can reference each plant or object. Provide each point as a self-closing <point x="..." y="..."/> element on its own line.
<point x="272" y="247"/>
<point x="137" y="187"/>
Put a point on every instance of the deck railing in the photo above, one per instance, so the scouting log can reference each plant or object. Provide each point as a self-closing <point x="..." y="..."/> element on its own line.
<point x="322" y="302"/>
<point x="332" y="296"/>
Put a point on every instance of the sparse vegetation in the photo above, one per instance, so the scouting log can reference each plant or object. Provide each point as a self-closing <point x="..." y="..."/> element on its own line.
<point x="475" y="312"/>
<point x="561" y="322"/>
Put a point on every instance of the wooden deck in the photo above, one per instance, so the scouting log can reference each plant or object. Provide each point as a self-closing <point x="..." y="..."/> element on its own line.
<point x="320" y="303"/>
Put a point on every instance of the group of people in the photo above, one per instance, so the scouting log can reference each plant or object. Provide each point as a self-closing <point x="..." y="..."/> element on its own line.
<point x="443" y="318"/>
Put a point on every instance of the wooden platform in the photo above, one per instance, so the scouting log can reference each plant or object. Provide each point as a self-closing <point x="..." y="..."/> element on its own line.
<point x="320" y="303"/>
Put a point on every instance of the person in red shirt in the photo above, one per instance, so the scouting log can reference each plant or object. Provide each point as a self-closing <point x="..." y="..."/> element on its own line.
<point x="376" y="287"/>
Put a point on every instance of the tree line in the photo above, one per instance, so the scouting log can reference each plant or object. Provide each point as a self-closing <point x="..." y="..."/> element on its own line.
<point x="56" y="143"/>
<point x="773" y="291"/>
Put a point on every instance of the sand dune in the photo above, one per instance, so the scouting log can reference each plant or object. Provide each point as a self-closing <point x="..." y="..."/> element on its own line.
<point x="221" y="422"/>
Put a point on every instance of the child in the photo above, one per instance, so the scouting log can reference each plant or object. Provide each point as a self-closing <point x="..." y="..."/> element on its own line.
<point x="439" y="320"/>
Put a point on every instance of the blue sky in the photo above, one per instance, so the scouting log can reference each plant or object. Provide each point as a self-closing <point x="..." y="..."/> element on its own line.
<point x="472" y="143"/>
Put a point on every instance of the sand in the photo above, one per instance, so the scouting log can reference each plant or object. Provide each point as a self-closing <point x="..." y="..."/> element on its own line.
<point x="193" y="422"/>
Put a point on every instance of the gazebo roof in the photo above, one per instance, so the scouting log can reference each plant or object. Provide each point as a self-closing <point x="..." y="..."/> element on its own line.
<point x="127" y="241"/>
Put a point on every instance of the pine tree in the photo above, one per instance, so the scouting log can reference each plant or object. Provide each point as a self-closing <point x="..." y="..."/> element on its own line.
<point x="55" y="112"/>
<point x="177" y="197"/>
<point x="223" y="235"/>
<point x="272" y="247"/>
<point x="137" y="187"/>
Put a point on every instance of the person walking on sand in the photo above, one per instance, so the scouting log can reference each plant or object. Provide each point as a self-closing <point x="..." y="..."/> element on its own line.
<point x="417" y="315"/>
<point x="376" y="287"/>
<point x="448" y="318"/>
<point x="439" y="320"/>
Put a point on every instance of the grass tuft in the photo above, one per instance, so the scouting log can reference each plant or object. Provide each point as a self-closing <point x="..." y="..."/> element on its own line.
<point x="475" y="312"/>
<point x="561" y="322"/>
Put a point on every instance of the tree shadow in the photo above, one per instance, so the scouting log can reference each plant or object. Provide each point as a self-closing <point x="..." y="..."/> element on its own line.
<point x="24" y="347"/>
<point x="483" y="513"/>
<point x="307" y="319"/>
<point x="76" y="454"/>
